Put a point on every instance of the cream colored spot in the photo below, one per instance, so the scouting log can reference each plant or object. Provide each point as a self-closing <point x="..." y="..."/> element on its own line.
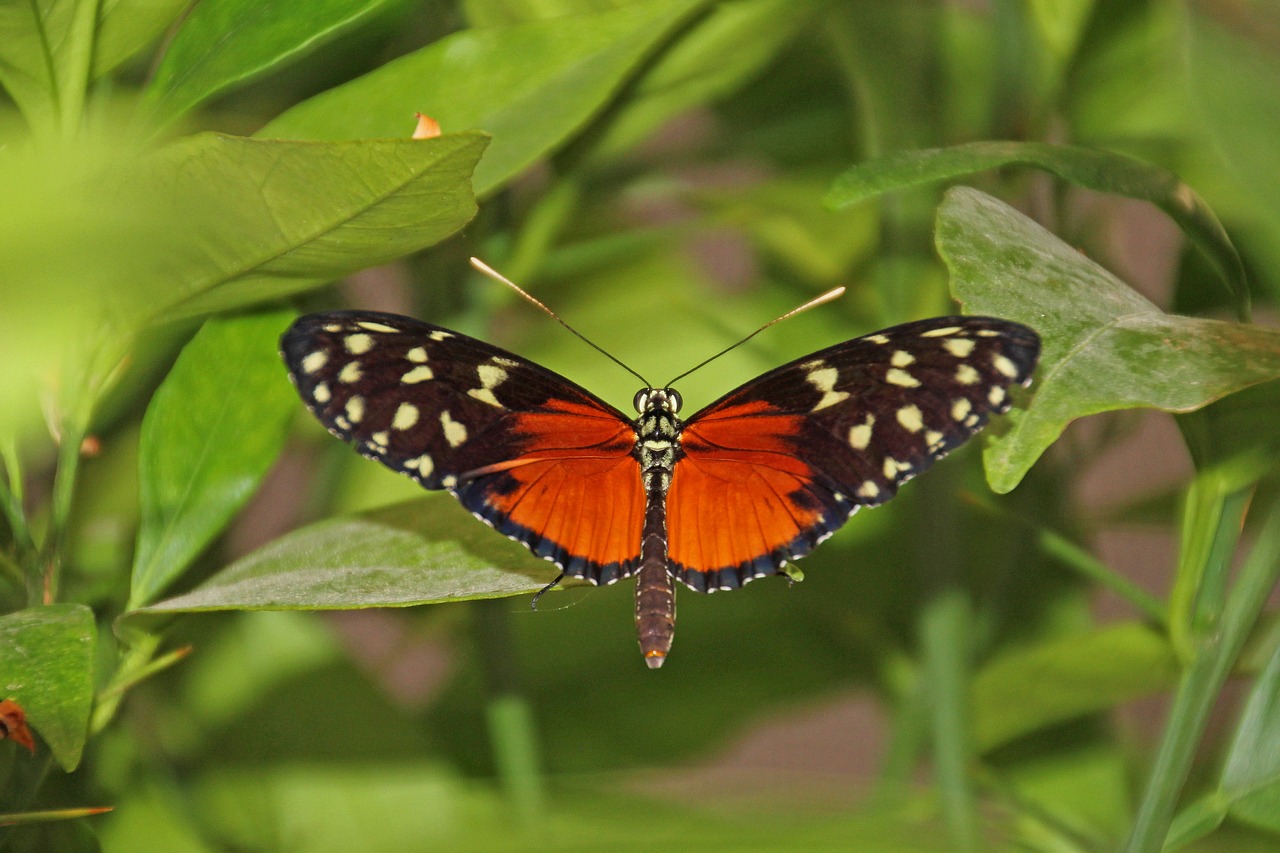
<point x="959" y="347"/>
<point x="996" y="396"/>
<point x="960" y="409"/>
<point x="902" y="358"/>
<point x="1004" y="366"/>
<point x="422" y="464"/>
<point x="321" y="393"/>
<point x="342" y="422"/>
<point x="860" y="435"/>
<point x="355" y="409"/>
<point x="440" y="335"/>
<point x="940" y="333"/>
<point x="380" y="438"/>
<point x="358" y="344"/>
<point x="406" y="416"/>
<point x="967" y="375"/>
<point x="350" y="372"/>
<point x="332" y="327"/>
<point x="823" y="377"/>
<point x="484" y="395"/>
<point x="877" y="339"/>
<point x="892" y="467"/>
<point x="448" y="481"/>
<point x="901" y="377"/>
<point x="314" y="361"/>
<point x="505" y="362"/>
<point x="491" y="375"/>
<point x="910" y="418"/>
<point x="376" y="327"/>
<point x="455" y="433"/>
<point x="933" y="439"/>
<point x="987" y="333"/>
<point x="417" y="354"/>
<point x="868" y="490"/>
<point x="418" y="374"/>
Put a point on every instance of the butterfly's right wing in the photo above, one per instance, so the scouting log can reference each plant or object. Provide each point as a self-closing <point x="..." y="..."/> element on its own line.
<point x="537" y="457"/>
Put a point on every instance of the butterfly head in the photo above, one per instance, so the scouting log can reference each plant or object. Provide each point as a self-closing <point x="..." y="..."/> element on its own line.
<point x="666" y="399"/>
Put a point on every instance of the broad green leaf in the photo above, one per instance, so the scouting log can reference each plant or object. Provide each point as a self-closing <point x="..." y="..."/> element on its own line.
<point x="724" y="48"/>
<point x="277" y="218"/>
<point x="230" y="42"/>
<point x="213" y="429"/>
<point x="530" y="85"/>
<point x="496" y="13"/>
<point x="125" y="27"/>
<point x="45" y="52"/>
<point x="1028" y="689"/>
<point x="1105" y="346"/>
<point x="1097" y="170"/>
<point x="47" y="667"/>
<point x="420" y="552"/>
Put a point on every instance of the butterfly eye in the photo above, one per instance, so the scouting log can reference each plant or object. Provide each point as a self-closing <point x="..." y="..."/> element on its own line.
<point x="671" y="400"/>
<point x="641" y="402"/>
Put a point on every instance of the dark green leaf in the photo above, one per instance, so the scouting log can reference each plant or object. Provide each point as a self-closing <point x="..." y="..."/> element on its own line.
<point x="228" y="43"/>
<point x="1031" y="688"/>
<point x="1105" y="346"/>
<point x="47" y="667"/>
<point x="530" y="85"/>
<point x="1097" y="170"/>
<point x="212" y="431"/>
<point x="421" y="552"/>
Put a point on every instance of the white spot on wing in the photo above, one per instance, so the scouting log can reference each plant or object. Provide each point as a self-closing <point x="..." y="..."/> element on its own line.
<point x="355" y="409"/>
<point x="868" y="490"/>
<point x="418" y="374"/>
<point x="321" y="393"/>
<point x="940" y="333"/>
<point x="1004" y="366"/>
<point x="440" y="335"/>
<point x="406" y="416"/>
<point x="823" y="377"/>
<point x="314" y="361"/>
<point x="960" y="409"/>
<point x="417" y="355"/>
<point x="967" y="375"/>
<point x="959" y="347"/>
<point x="454" y="432"/>
<point x="896" y="376"/>
<point x="910" y="418"/>
<point x="860" y="435"/>
<point x="877" y="339"/>
<point x="996" y="396"/>
<point x="358" y="344"/>
<point x="350" y="372"/>
<point x="902" y="358"/>
<point x="376" y="327"/>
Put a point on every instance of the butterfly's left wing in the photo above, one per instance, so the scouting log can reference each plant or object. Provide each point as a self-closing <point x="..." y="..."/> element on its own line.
<point x="773" y="468"/>
<point x="536" y="456"/>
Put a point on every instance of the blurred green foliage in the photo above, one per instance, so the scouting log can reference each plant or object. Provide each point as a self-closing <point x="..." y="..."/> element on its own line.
<point x="668" y="174"/>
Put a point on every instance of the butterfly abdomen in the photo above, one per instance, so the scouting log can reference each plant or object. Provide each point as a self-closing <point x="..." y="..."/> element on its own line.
<point x="657" y="450"/>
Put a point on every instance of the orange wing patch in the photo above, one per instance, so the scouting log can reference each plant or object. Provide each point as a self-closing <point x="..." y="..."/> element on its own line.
<point x="741" y="502"/>
<point x="13" y="725"/>
<point x="577" y="499"/>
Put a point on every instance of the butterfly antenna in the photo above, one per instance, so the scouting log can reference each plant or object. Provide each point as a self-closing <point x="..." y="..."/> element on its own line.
<point x="812" y="303"/>
<point x="497" y="276"/>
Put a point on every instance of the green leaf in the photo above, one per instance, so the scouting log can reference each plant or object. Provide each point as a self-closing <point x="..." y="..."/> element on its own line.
<point x="125" y="27"/>
<point x="213" y="429"/>
<point x="530" y="85"/>
<point x="264" y="219"/>
<point x="726" y="47"/>
<point x="229" y="43"/>
<point x="45" y="51"/>
<point x="1028" y="689"/>
<point x="1251" y="778"/>
<point x="1086" y="167"/>
<point x="419" y="552"/>
<point x="1105" y="346"/>
<point x="47" y="667"/>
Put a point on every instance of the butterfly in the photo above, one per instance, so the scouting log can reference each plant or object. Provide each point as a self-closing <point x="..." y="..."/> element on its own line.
<point x="757" y="478"/>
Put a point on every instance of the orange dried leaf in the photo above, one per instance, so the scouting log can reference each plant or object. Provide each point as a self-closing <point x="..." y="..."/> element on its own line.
<point x="428" y="128"/>
<point x="13" y="725"/>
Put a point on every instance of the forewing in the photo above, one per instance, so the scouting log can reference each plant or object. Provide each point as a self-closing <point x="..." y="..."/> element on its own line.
<point x="773" y="468"/>
<point x="536" y="456"/>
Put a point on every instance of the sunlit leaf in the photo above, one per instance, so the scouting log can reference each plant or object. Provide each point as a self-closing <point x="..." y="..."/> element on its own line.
<point x="530" y="85"/>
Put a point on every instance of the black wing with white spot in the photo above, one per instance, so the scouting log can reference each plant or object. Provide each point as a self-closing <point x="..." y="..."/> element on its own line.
<point x="800" y="448"/>
<point x="525" y="449"/>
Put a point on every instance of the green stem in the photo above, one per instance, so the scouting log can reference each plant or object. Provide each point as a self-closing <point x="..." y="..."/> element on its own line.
<point x="512" y="729"/>
<point x="54" y="549"/>
<point x="946" y="640"/>
<point x="1215" y="654"/>
<point x="135" y="664"/>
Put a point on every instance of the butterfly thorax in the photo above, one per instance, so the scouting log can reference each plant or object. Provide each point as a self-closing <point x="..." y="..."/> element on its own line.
<point x="657" y="450"/>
